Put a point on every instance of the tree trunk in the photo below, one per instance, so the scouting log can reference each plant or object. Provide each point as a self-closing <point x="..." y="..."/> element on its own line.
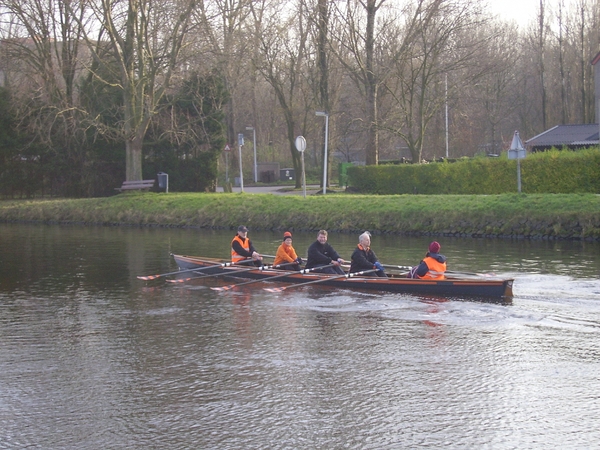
<point x="133" y="152"/>
<point x="372" y="156"/>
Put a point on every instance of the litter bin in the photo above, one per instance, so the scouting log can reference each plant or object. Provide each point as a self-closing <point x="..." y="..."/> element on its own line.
<point x="286" y="174"/>
<point x="163" y="181"/>
<point x="343" y="173"/>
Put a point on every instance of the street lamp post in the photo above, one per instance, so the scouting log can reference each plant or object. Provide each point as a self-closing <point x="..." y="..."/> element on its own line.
<point x="240" y="145"/>
<point x="326" y="115"/>
<point x="254" y="147"/>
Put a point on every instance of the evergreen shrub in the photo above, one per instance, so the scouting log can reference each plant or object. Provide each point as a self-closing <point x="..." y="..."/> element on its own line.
<point x="554" y="171"/>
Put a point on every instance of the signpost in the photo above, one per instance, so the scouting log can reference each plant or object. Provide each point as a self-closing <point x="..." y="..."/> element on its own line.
<point x="227" y="150"/>
<point x="301" y="146"/>
<point x="517" y="151"/>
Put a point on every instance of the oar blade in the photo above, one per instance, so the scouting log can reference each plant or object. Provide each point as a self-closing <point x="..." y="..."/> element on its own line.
<point x="181" y="280"/>
<point x="223" y="288"/>
<point x="149" y="277"/>
<point x="276" y="289"/>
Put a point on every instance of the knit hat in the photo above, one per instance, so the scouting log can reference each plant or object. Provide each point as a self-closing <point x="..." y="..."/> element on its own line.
<point x="286" y="235"/>
<point x="242" y="228"/>
<point x="434" y="247"/>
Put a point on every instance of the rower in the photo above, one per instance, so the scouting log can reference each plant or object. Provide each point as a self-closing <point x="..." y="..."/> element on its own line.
<point x="286" y="257"/>
<point x="432" y="267"/>
<point x="320" y="254"/>
<point x="242" y="248"/>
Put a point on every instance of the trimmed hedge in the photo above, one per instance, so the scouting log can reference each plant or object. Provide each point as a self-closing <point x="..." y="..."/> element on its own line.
<point x="554" y="172"/>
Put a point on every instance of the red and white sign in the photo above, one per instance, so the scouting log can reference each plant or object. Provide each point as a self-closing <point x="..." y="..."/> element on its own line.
<point x="227" y="148"/>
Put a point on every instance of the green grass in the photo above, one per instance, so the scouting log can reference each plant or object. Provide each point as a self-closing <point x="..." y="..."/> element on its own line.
<point x="572" y="216"/>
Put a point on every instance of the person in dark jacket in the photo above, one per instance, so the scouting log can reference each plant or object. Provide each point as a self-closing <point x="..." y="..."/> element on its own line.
<point x="320" y="253"/>
<point x="363" y="258"/>
<point x="432" y="267"/>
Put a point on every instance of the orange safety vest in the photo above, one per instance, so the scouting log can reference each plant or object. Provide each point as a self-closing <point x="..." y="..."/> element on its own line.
<point x="235" y="258"/>
<point x="436" y="269"/>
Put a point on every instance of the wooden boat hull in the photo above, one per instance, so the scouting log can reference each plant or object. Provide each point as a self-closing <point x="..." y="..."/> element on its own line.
<point x="449" y="287"/>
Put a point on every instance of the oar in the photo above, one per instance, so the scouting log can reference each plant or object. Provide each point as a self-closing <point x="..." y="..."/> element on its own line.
<point x="288" y="273"/>
<point x="393" y="266"/>
<point x="346" y="275"/>
<point x="247" y="269"/>
<point x="195" y="269"/>
<point x="449" y="272"/>
<point x="463" y="274"/>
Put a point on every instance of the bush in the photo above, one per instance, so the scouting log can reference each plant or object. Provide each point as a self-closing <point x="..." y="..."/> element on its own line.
<point x="555" y="171"/>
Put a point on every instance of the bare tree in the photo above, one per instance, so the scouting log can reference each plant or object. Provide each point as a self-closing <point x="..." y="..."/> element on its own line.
<point x="447" y="40"/>
<point x="138" y="42"/>
<point x="541" y="41"/>
<point x="356" y="50"/>
<point x="282" y="39"/>
<point x="224" y="37"/>
<point x="42" y="40"/>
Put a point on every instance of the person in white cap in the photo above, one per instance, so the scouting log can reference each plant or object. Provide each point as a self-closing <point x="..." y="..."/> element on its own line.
<point x="364" y="258"/>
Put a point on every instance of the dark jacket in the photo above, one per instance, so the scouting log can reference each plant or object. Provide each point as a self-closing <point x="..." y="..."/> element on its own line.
<point x="362" y="259"/>
<point x="320" y="255"/>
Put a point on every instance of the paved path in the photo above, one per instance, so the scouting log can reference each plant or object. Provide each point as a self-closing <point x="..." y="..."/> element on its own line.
<point x="277" y="190"/>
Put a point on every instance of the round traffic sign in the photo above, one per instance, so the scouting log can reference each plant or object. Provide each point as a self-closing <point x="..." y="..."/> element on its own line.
<point x="300" y="144"/>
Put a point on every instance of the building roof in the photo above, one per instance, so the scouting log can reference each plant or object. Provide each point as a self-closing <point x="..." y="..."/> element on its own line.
<point x="566" y="135"/>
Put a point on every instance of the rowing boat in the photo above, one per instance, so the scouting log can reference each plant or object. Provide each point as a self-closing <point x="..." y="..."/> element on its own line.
<point x="451" y="286"/>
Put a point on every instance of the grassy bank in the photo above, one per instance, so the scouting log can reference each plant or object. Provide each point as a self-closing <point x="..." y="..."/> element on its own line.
<point x="539" y="216"/>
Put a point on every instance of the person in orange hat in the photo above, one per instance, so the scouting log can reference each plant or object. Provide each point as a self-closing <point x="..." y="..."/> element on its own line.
<point x="286" y="256"/>
<point x="432" y="267"/>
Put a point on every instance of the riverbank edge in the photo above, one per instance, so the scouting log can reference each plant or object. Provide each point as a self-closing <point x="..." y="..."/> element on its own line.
<point x="535" y="217"/>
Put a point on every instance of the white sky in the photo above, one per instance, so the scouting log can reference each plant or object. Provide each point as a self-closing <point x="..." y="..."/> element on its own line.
<point x="523" y="12"/>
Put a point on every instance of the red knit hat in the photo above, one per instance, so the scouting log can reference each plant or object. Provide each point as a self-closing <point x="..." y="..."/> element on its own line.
<point x="286" y="235"/>
<point x="434" y="247"/>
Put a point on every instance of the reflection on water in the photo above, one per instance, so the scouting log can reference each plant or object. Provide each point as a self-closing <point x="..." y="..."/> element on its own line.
<point x="92" y="357"/>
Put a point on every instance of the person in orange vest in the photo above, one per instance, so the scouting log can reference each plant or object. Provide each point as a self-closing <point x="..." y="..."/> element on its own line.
<point x="286" y="255"/>
<point x="432" y="267"/>
<point x="242" y="248"/>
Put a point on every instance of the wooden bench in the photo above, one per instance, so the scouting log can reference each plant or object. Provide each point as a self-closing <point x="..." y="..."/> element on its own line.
<point x="137" y="184"/>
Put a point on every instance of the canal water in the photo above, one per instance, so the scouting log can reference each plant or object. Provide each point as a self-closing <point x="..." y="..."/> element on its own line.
<point x="91" y="357"/>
